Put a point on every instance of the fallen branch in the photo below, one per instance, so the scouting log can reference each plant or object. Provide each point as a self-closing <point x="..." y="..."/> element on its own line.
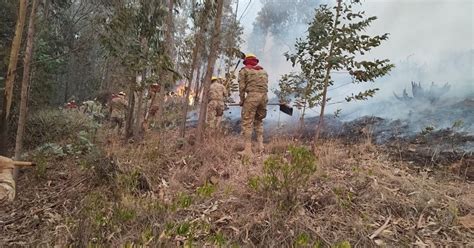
<point x="383" y="227"/>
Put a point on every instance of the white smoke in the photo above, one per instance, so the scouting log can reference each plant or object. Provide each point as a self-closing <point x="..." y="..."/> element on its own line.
<point x="430" y="41"/>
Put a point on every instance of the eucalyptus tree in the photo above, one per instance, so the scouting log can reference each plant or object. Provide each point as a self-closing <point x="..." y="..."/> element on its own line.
<point x="336" y="41"/>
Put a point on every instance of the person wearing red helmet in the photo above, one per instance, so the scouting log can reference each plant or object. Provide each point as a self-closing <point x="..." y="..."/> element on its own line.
<point x="253" y="88"/>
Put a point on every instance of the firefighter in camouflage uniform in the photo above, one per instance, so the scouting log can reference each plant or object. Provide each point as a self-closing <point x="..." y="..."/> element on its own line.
<point x="215" y="107"/>
<point x="253" y="88"/>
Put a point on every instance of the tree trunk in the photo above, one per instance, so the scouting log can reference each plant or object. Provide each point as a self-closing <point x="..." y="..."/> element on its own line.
<point x="138" y="130"/>
<point x="7" y="176"/>
<point x="131" y="108"/>
<point x="168" y="76"/>
<point x="25" y="82"/>
<point x="327" y="75"/>
<point x="139" y="116"/>
<point x="10" y="78"/>
<point x="209" y="71"/>
<point x="301" y="128"/>
<point x="198" y="38"/>
<point x="196" y="86"/>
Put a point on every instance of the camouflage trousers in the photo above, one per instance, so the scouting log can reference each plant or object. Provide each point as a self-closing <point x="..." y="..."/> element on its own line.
<point x="253" y="113"/>
<point x="116" y="121"/>
<point x="215" y="111"/>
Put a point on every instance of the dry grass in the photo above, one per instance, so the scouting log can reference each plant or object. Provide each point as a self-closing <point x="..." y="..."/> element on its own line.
<point x="355" y="190"/>
<point x="200" y="195"/>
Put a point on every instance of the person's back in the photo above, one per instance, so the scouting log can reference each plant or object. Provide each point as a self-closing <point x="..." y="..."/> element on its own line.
<point x="253" y="79"/>
<point x="217" y="92"/>
<point x="253" y="88"/>
<point x="215" y="106"/>
<point x="118" y="105"/>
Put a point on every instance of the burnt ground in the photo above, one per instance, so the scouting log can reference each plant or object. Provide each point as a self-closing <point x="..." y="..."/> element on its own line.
<point x="438" y="136"/>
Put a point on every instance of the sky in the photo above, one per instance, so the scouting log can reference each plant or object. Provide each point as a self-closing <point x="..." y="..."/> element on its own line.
<point x="430" y="41"/>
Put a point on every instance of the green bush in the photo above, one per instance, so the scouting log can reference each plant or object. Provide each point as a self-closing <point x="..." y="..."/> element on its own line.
<point x="285" y="175"/>
<point x="56" y="126"/>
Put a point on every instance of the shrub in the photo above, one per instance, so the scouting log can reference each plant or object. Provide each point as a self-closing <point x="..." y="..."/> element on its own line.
<point x="55" y="125"/>
<point x="285" y="175"/>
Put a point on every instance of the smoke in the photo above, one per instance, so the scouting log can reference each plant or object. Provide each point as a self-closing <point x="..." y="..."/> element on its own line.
<point x="430" y="41"/>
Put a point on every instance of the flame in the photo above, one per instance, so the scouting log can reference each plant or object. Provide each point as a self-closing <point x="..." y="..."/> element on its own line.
<point x="181" y="92"/>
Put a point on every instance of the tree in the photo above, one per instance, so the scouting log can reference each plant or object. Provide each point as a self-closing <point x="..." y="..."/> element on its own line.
<point x="295" y="86"/>
<point x="201" y="23"/>
<point x="336" y="41"/>
<point x="210" y="69"/>
<point x="25" y="81"/>
<point x="280" y="19"/>
<point x="10" y="78"/>
<point x="134" y="35"/>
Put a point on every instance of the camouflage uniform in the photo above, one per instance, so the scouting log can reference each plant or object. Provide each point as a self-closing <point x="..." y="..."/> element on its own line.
<point x="118" y="107"/>
<point x="215" y="107"/>
<point x="253" y="88"/>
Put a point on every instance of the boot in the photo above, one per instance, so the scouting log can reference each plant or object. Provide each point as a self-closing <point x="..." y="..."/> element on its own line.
<point x="260" y="146"/>
<point x="247" y="152"/>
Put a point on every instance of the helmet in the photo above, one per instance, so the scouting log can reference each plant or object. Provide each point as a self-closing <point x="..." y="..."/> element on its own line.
<point x="214" y="78"/>
<point x="250" y="55"/>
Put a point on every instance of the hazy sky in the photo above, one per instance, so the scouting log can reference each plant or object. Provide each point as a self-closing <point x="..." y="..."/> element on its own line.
<point x="425" y="29"/>
<point x="430" y="41"/>
<point x="424" y="33"/>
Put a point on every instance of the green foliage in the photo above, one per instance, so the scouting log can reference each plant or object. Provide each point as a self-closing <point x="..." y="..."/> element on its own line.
<point x="336" y="40"/>
<point x="184" y="200"/>
<point x="122" y="214"/>
<point x="134" y="33"/>
<point x="206" y="190"/>
<point x="343" y="244"/>
<point x="55" y="126"/>
<point x="51" y="150"/>
<point x="344" y="197"/>
<point x="302" y="240"/>
<point x="219" y="239"/>
<point x="284" y="176"/>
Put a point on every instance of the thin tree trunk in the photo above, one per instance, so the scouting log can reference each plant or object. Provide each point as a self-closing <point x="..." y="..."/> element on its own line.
<point x="198" y="38"/>
<point x="326" y="77"/>
<point x="10" y="78"/>
<point x="301" y="129"/>
<point x="7" y="180"/>
<point x="131" y="108"/>
<point x="201" y="83"/>
<point x="25" y="82"/>
<point x="196" y="86"/>
<point x="209" y="71"/>
<point x="168" y="77"/>
<point x="139" y="115"/>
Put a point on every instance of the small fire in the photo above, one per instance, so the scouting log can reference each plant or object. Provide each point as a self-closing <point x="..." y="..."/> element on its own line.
<point x="181" y="92"/>
<point x="191" y="98"/>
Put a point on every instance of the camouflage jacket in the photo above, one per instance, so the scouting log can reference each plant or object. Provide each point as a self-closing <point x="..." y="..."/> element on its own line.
<point x="118" y="107"/>
<point x="217" y="92"/>
<point x="252" y="79"/>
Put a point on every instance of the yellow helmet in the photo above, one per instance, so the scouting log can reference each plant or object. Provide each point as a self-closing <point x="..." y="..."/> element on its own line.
<point x="214" y="78"/>
<point x="250" y="55"/>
